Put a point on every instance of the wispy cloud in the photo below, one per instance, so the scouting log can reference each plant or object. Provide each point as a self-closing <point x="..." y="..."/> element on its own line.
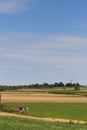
<point x="43" y="49"/>
<point x="12" y="6"/>
<point x="56" y="55"/>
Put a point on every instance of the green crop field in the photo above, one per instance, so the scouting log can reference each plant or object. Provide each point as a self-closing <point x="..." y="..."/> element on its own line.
<point x="74" y="111"/>
<point x="10" y="123"/>
<point x="58" y="90"/>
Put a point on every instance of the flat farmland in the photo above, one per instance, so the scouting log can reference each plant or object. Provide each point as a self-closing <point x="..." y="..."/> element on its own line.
<point x="41" y="97"/>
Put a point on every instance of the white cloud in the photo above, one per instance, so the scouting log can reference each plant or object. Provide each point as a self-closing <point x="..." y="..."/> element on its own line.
<point x="11" y="6"/>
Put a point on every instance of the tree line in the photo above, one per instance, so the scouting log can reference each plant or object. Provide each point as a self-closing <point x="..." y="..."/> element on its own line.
<point x="76" y="86"/>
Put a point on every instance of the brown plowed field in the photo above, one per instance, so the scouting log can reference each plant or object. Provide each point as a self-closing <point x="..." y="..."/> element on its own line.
<point x="28" y="97"/>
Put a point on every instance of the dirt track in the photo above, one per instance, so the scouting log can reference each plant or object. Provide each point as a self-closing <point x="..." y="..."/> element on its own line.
<point x="25" y="97"/>
<point x="43" y="119"/>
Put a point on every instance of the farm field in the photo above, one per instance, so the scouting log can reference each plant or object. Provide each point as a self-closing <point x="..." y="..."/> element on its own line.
<point x="71" y="111"/>
<point x="71" y="90"/>
<point x="10" y="123"/>
<point x="45" y="105"/>
<point x="48" y="105"/>
<point x="41" y="97"/>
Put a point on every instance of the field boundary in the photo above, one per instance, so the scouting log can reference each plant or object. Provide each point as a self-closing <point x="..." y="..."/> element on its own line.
<point x="58" y="120"/>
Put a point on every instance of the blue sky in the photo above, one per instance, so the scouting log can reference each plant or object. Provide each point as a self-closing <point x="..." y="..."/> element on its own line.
<point x="43" y="41"/>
